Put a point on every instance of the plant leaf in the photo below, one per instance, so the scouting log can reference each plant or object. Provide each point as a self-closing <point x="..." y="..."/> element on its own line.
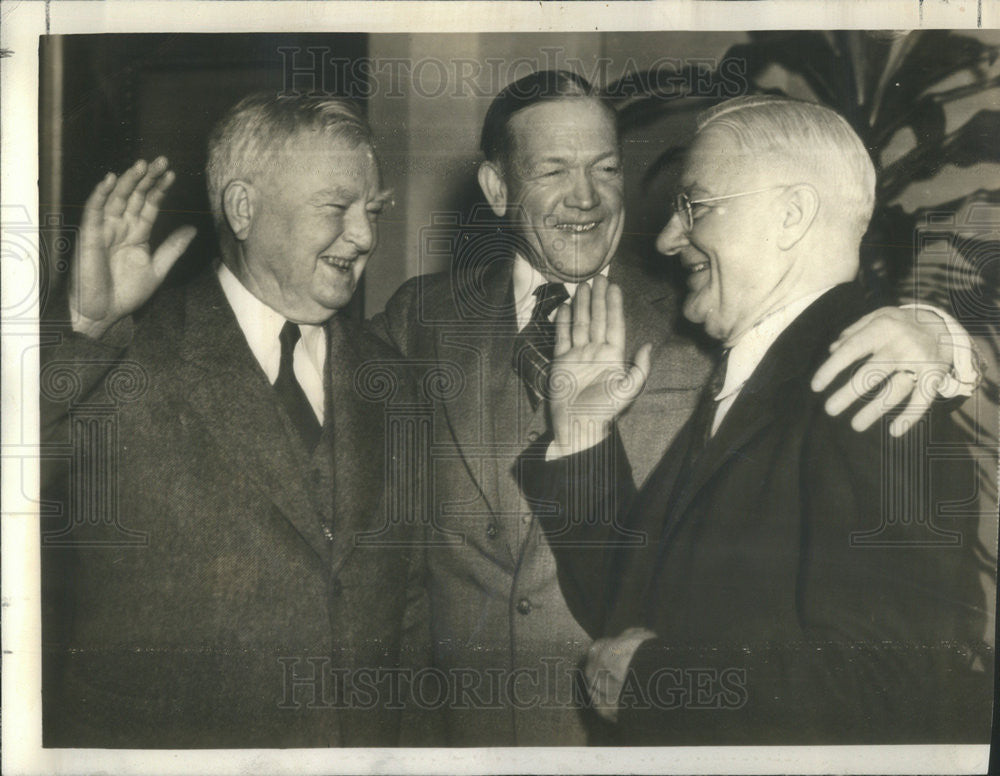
<point x="935" y="56"/>
<point x="972" y="143"/>
<point x="807" y="54"/>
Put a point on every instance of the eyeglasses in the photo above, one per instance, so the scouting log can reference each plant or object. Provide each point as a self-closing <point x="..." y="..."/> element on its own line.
<point x="683" y="203"/>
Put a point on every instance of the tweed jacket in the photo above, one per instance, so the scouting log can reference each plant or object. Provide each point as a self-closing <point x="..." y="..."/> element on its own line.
<point x="496" y="608"/>
<point x="207" y="581"/>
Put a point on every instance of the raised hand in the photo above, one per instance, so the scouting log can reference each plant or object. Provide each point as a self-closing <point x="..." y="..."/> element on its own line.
<point x="590" y="381"/>
<point x="911" y="355"/>
<point x="115" y="272"/>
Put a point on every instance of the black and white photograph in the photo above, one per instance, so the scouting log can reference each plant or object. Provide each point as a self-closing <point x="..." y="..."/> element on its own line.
<point x="561" y="389"/>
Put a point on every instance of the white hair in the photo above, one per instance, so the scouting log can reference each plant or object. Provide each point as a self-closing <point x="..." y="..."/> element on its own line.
<point x="248" y="138"/>
<point x="810" y="137"/>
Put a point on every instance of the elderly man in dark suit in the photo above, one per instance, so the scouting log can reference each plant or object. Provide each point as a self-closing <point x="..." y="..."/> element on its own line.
<point x="798" y="582"/>
<point x="206" y="579"/>
<point x="500" y="624"/>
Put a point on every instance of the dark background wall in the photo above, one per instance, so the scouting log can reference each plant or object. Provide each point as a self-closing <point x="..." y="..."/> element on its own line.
<point x="111" y="99"/>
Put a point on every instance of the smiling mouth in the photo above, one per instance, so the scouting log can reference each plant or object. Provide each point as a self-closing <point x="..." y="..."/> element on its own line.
<point x="577" y="228"/>
<point x="693" y="269"/>
<point x="344" y="265"/>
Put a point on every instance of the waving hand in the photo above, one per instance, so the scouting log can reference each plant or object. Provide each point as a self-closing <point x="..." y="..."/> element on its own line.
<point x="591" y="381"/>
<point x="115" y="271"/>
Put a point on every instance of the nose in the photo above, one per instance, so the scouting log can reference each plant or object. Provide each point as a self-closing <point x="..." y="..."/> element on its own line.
<point x="583" y="195"/>
<point x="359" y="230"/>
<point x="673" y="237"/>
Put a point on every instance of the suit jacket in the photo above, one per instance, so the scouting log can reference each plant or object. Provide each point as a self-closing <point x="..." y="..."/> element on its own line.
<point x="203" y="581"/>
<point x="808" y="584"/>
<point x="497" y="612"/>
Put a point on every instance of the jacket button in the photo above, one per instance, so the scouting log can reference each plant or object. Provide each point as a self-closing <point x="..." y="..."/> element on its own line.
<point x="532" y="436"/>
<point x="492" y="531"/>
<point x="524" y="606"/>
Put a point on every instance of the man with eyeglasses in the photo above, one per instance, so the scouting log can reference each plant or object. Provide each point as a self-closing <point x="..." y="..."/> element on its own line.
<point x="552" y="170"/>
<point x="779" y="578"/>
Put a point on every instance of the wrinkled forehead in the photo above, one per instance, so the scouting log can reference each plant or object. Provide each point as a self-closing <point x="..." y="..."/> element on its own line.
<point x="323" y="153"/>
<point x="564" y="126"/>
<point x="307" y="146"/>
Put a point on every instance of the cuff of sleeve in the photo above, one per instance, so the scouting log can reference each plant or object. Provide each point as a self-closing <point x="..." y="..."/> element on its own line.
<point x="112" y="342"/>
<point x="544" y="467"/>
<point x="964" y="377"/>
<point x="556" y="451"/>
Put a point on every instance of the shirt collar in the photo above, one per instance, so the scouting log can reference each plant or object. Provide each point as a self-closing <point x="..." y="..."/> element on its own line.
<point x="526" y="279"/>
<point x="261" y="326"/>
<point x="751" y="346"/>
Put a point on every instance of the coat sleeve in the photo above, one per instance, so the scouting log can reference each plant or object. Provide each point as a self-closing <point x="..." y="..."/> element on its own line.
<point x="396" y="325"/>
<point x="580" y="501"/>
<point x="74" y="369"/>
<point x="889" y="607"/>
<point x="420" y="725"/>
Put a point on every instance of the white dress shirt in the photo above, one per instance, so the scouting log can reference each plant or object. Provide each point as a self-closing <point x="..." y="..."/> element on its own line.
<point x="749" y="350"/>
<point x="526" y="279"/>
<point x="262" y="325"/>
<point x="963" y="379"/>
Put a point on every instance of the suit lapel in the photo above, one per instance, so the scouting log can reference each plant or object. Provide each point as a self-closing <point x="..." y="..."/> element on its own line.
<point x="227" y="391"/>
<point x="480" y="348"/>
<point x="358" y="430"/>
<point x="751" y="412"/>
<point x="764" y="398"/>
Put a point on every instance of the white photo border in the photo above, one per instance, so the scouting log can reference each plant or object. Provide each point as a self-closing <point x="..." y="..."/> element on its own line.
<point x="22" y="24"/>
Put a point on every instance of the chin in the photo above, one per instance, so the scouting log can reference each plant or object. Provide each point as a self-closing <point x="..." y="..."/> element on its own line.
<point x="705" y="319"/>
<point x="336" y="297"/>
<point x="574" y="269"/>
<point x="328" y="305"/>
<point x="334" y="305"/>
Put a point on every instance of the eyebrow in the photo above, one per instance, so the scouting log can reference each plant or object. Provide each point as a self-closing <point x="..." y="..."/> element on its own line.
<point x="564" y="159"/>
<point x="338" y="192"/>
<point x="695" y="189"/>
<point x="384" y="196"/>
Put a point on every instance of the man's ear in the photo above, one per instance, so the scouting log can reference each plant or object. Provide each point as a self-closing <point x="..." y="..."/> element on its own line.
<point x="237" y="205"/>
<point x="801" y="207"/>
<point x="494" y="188"/>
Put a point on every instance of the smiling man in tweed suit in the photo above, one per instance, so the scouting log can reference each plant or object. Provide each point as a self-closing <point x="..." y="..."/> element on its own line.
<point x="211" y="589"/>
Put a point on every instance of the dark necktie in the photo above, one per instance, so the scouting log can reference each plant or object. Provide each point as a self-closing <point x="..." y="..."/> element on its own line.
<point x="704" y="414"/>
<point x="537" y="341"/>
<point x="290" y="393"/>
<point x="701" y="428"/>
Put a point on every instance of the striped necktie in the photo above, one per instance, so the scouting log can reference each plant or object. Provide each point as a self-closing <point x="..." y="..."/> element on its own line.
<point x="536" y="342"/>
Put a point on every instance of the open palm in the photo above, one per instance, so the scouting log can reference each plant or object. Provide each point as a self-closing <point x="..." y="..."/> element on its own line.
<point x="591" y="381"/>
<point x="115" y="271"/>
